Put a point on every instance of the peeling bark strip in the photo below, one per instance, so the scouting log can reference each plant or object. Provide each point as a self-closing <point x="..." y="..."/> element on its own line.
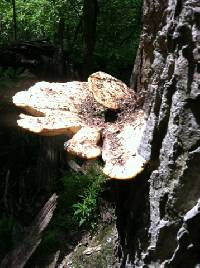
<point x="84" y="109"/>
<point x="20" y="255"/>
<point x="170" y="75"/>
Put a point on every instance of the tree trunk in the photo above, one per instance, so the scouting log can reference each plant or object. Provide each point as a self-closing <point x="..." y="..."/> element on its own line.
<point x="89" y="33"/>
<point x="50" y="161"/>
<point x="58" y="59"/>
<point x="159" y="213"/>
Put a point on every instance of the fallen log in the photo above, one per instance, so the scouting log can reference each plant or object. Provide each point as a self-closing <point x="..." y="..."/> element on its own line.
<point x="19" y="256"/>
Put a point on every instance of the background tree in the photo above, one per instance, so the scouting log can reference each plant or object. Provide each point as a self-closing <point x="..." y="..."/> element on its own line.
<point x="90" y="9"/>
<point x="109" y="43"/>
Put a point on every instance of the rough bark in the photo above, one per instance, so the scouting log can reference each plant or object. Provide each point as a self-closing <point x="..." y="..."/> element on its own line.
<point x="159" y="218"/>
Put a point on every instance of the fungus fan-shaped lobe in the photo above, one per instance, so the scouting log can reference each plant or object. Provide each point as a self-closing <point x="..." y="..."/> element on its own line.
<point x="109" y="91"/>
<point x="61" y="108"/>
<point x="45" y="96"/>
<point x="58" y="107"/>
<point x="84" y="143"/>
<point x="51" y="124"/>
<point x="120" y="146"/>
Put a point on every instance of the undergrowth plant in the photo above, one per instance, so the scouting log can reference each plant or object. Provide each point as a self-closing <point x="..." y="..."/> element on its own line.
<point x="86" y="211"/>
<point x="10" y="72"/>
<point x="78" y="204"/>
<point x="77" y="208"/>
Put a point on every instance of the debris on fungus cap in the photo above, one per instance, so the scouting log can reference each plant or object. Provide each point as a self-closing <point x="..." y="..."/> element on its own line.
<point x="84" y="143"/>
<point x="108" y="90"/>
<point x="128" y="170"/>
<point x="57" y="106"/>
<point x="73" y="109"/>
<point x="45" y="96"/>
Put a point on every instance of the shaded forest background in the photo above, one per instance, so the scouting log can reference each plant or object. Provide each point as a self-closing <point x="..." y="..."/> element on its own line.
<point x="57" y="41"/>
<point x="104" y="32"/>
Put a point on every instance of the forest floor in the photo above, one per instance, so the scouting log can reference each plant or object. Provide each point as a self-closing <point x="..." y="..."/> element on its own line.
<point x="92" y="251"/>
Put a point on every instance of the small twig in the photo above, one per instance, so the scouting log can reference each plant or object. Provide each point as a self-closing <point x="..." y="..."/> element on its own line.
<point x="73" y="165"/>
<point x="55" y="260"/>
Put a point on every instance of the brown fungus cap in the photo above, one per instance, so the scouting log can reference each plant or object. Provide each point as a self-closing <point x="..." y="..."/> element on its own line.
<point x="109" y="91"/>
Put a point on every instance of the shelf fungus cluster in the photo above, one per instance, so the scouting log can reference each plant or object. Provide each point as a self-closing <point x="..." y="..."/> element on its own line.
<point x="100" y="118"/>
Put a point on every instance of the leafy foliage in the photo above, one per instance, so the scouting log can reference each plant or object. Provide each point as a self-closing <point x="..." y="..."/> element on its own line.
<point x="77" y="207"/>
<point x="118" y="28"/>
<point x="10" y="73"/>
<point x="78" y="204"/>
<point x="117" y="34"/>
<point x="87" y="210"/>
<point x="78" y="200"/>
<point x="39" y="19"/>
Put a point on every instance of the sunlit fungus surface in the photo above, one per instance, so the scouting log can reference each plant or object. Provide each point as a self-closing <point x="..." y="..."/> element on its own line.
<point x="100" y="118"/>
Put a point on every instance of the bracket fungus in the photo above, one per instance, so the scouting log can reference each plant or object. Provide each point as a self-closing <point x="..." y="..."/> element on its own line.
<point x="84" y="143"/>
<point x="77" y="109"/>
<point x="120" y="149"/>
<point x="109" y="91"/>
